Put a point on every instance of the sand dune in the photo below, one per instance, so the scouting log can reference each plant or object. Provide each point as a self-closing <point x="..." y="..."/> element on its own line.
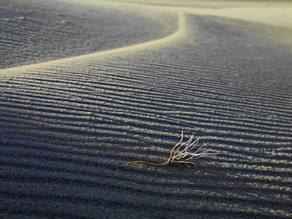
<point x="68" y="126"/>
<point x="37" y="30"/>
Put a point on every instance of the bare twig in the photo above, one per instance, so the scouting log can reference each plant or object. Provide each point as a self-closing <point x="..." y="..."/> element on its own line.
<point x="182" y="153"/>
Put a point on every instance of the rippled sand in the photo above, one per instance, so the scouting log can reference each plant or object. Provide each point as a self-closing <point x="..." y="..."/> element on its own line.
<point x="87" y="87"/>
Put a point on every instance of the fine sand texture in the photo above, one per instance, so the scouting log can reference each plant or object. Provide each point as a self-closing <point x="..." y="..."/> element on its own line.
<point x="73" y="114"/>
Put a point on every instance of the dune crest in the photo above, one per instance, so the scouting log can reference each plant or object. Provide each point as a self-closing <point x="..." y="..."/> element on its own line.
<point x="68" y="127"/>
<point x="178" y="35"/>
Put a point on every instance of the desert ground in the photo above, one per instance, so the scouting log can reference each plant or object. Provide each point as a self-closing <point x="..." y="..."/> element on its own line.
<point x="88" y="86"/>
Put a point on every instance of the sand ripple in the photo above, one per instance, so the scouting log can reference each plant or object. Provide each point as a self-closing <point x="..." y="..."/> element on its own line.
<point x="69" y="126"/>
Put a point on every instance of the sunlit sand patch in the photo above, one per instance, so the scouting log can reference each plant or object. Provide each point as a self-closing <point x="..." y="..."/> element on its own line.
<point x="276" y="13"/>
<point x="266" y="15"/>
<point x="206" y="3"/>
<point x="249" y="11"/>
<point x="268" y="12"/>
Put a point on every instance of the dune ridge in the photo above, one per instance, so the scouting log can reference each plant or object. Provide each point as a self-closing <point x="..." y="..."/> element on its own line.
<point x="156" y="43"/>
<point x="69" y="126"/>
<point x="54" y="29"/>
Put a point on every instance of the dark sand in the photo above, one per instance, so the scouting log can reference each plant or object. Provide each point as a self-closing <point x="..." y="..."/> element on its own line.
<point x="68" y="127"/>
<point x="35" y="31"/>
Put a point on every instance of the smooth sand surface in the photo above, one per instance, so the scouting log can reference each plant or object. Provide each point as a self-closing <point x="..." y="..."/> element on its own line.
<point x="70" y="123"/>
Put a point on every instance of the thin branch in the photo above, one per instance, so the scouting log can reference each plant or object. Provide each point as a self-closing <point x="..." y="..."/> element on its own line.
<point x="178" y="156"/>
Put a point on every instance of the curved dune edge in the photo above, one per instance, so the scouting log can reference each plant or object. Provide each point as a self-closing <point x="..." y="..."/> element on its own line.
<point x="266" y="12"/>
<point x="70" y="126"/>
<point x="179" y="34"/>
<point x="260" y="15"/>
<point x="36" y="31"/>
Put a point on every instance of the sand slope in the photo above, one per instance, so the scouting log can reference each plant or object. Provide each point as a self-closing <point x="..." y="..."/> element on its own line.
<point x="35" y="31"/>
<point x="69" y="126"/>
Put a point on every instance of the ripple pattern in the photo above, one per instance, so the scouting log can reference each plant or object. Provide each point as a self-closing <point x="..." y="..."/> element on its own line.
<point x="67" y="130"/>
